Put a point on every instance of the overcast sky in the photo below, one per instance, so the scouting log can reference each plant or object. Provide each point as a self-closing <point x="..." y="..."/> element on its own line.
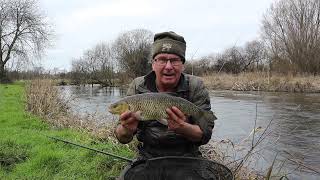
<point x="209" y="26"/>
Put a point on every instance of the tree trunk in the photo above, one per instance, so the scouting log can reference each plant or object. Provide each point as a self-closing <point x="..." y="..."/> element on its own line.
<point x="3" y="74"/>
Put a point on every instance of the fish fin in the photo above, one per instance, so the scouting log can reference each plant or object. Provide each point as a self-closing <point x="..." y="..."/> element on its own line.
<point x="163" y="121"/>
<point x="209" y="115"/>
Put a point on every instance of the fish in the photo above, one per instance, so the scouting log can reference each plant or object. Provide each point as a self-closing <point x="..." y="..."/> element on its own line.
<point x="152" y="106"/>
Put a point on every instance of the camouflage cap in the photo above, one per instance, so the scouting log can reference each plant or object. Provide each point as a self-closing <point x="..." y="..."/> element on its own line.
<point x="169" y="42"/>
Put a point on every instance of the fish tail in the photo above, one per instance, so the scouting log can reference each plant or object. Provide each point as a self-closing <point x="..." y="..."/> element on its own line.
<point x="208" y="115"/>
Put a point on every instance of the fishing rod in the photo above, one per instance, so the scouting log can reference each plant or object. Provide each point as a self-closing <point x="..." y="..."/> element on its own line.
<point x="92" y="149"/>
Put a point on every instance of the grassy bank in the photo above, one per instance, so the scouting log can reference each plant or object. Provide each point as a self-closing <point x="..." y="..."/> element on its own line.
<point x="26" y="153"/>
<point x="261" y="81"/>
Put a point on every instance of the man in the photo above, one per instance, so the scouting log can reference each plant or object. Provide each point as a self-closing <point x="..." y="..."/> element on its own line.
<point x="183" y="135"/>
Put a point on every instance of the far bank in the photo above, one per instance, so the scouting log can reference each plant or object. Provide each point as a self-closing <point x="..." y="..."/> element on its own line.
<point x="250" y="81"/>
<point x="262" y="81"/>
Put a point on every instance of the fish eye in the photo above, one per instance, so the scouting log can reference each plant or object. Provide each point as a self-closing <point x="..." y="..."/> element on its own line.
<point x="113" y="106"/>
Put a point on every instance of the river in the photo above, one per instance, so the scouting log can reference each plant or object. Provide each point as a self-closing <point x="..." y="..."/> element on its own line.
<point x="294" y="131"/>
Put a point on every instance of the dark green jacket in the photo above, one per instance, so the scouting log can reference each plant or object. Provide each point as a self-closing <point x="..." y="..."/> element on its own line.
<point x="155" y="139"/>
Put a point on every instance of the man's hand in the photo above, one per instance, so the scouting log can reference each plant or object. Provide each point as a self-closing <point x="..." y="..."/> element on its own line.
<point x="129" y="121"/>
<point x="176" y="119"/>
<point x="177" y="122"/>
<point x="127" y="127"/>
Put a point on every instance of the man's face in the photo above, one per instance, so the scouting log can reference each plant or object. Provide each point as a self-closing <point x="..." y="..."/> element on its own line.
<point x="168" y="69"/>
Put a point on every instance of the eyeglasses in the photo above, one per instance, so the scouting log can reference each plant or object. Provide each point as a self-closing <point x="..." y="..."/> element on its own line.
<point x="164" y="61"/>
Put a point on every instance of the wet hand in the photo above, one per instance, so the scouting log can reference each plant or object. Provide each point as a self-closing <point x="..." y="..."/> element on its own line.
<point x="129" y="120"/>
<point x="177" y="120"/>
<point x="178" y="123"/>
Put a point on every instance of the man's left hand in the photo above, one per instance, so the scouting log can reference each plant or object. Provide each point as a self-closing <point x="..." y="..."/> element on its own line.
<point x="177" y="120"/>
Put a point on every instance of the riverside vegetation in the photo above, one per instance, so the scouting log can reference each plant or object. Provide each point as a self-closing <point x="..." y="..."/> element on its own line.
<point x="26" y="152"/>
<point x="263" y="81"/>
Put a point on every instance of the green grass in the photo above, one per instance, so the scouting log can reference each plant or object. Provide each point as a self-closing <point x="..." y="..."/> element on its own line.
<point x="26" y="153"/>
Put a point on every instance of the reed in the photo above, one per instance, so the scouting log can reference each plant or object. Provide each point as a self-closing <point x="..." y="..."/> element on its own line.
<point x="242" y="157"/>
<point x="263" y="81"/>
<point x="44" y="100"/>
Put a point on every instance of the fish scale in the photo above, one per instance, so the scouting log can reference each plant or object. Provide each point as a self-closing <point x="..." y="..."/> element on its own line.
<point x="152" y="106"/>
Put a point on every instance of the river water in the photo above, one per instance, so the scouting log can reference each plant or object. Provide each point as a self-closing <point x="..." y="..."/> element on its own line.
<point x="293" y="133"/>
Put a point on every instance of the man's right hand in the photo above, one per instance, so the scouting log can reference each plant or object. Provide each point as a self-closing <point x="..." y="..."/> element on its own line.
<point x="127" y="127"/>
<point x="129" y="120"/>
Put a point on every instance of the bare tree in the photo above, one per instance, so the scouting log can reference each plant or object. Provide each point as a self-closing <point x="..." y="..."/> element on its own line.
<point x="250" y="57"/>
<point x="133" y="51"/>
<point x="23" y="29"/>
<point x="95" y="66"/>
<point x="255" y="55"/>
<point x="202" y="66"/>
<point x="130" y="54"/>
<point x="90" y="65"/>
<point x="104" y="59"/>
<point x="291" y="29"/>
<point x="77" y="73"/>
<point x="232" y="60"/>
